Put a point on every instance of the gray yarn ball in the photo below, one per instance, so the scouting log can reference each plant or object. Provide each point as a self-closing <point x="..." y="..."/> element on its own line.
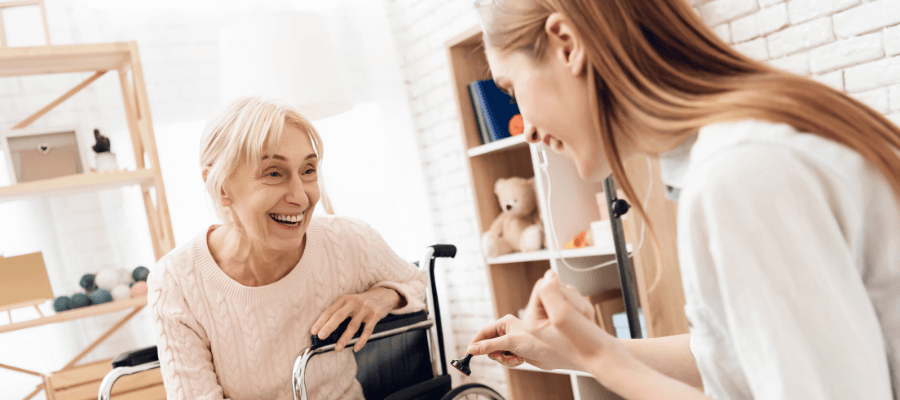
<point x="61" y="304"/>
<point x="101" y="296"/>
<point x="79" y="300"/>
<point x="140" y="274"/>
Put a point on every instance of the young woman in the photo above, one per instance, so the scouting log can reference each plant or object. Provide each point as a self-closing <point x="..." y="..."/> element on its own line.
<point x="788" y="218"/>
<point x="234" y="306"/>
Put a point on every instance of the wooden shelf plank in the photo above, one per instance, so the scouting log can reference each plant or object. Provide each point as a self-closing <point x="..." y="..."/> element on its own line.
<point x="590" y="251"/>
<point x="77" y="313"/>
<point x="499" y="145"/>
<point x="529" y="367"/>
<point x="18" y="61"/>
<point x="90" y="181"/>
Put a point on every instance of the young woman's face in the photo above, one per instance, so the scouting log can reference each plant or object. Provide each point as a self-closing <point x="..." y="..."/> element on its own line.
<point x="274" y="200"/>
<point x="552" y="94"/>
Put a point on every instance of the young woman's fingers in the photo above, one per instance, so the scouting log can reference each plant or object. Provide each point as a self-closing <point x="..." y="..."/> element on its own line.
<point x="495" y="329"/>
<point x="351" y="330"/>
<point x="582" y="305"/>
<point x="555" y="304"/>
<point x="326" y="315"/>
<point x="486" y="346"/>
<point x="334" y="321"/>
<point x="534" y="312"/>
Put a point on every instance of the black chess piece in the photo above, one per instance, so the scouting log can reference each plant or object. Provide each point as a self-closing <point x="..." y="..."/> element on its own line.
<point x="463" y="364"/>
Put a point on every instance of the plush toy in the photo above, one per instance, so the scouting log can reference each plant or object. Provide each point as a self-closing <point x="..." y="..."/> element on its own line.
<point x="518" y="227"/>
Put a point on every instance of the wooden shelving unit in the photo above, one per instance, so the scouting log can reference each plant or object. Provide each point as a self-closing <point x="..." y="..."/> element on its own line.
<point x="573" y="207"/>
<point x="123" y="60"/>
<point x="87" y="182"/>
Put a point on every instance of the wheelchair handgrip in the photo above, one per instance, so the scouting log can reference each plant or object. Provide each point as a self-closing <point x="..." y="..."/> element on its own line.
<point x="387" y="323"/>
<point x="136" y="357"/>
<point x="444" y="250"/>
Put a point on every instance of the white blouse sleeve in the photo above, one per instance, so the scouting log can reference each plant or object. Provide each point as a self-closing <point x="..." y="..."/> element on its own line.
<point x="762" y="226"/>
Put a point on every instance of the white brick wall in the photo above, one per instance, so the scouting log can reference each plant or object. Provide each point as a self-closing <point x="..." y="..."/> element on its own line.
<point x="832" y="41"/>
<point x="420" y="29"/>
<point x="850" y="45"/>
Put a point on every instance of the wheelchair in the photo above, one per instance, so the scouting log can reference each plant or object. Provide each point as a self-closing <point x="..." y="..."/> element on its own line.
<point x="404" y="358"/>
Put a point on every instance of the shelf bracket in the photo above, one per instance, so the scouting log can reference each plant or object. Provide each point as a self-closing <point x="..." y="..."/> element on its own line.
<point x="64" y="97"/>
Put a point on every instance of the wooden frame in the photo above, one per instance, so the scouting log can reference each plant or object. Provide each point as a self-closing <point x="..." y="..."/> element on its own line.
<point x="98" y="59"/>
<point x="80" y="138"/>
<point x="23" y="3"/>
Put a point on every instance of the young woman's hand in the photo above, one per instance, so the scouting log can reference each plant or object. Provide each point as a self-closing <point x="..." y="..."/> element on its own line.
<point x="507" y="342"/>
<point x="560" y="317"/>
<point x="369" y="308"/>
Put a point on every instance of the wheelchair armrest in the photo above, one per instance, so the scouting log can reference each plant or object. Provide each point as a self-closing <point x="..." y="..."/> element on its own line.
<point x="136" y="357"/>
<point x="387" y="323"/>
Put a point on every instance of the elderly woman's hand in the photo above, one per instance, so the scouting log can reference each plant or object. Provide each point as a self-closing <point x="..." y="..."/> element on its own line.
<point x="369" y="308"/>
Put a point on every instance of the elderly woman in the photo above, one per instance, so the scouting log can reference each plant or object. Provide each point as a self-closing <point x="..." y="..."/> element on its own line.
<point x="233" y="307"/>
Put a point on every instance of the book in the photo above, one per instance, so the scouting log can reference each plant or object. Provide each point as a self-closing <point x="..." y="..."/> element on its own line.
<point x="479" y="116"/>
<point x="497" y="107"/>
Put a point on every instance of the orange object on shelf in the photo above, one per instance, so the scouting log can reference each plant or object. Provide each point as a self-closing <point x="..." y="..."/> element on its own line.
<point x="584" y="239"/>
<point x="516" y="125"/>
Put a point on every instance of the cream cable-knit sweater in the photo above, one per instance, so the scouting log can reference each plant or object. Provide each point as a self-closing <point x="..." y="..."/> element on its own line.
<point x="219" y="339"/>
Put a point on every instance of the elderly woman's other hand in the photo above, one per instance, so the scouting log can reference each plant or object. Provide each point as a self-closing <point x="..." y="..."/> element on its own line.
<point x="369" y="308"/>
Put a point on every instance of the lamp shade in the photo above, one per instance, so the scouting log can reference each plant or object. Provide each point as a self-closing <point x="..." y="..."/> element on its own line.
<point x="288" y="56"/>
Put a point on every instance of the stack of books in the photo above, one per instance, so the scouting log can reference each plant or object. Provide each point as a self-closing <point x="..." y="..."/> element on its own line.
<point x="497" y="113"/>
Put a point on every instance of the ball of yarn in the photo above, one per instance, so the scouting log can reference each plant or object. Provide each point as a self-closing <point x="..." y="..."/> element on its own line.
<point x="107" y="279"/>
<point x="87" y="282"/>
<point x="121" y="292"/>
<point x="61" y="304"/>
<point x="79" y="300"/>
<point x="139" y="289"/>
<point x="124" y="276"/>
<point x="140" y="274"/>
<point x="100" y="296"/>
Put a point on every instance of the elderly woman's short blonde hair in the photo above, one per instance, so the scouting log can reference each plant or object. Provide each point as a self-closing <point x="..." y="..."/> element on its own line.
<point x="244" y="132"/>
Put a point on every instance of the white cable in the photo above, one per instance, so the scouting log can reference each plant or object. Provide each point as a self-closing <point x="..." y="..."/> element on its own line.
<point x="553" y="228"/>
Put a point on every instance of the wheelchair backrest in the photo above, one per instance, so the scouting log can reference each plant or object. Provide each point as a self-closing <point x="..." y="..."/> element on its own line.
<point x="388" y="365"/>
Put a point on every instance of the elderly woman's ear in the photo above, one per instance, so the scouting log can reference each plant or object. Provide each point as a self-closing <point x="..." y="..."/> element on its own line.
<point x="225" y="200"/>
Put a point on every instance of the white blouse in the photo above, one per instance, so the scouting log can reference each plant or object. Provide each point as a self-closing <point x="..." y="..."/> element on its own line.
<point x="789" y="247"/>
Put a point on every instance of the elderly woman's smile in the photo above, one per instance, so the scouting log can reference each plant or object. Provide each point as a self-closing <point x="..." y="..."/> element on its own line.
<point x="289" y="221"/>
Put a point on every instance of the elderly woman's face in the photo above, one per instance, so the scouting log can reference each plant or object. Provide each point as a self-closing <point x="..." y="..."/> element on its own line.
<point x="274" y="200"/>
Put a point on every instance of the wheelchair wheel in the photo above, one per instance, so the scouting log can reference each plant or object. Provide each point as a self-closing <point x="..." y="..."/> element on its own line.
<point x="472" y="391"/>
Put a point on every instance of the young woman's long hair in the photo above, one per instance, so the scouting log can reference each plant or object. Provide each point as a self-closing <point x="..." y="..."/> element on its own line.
<point x="659" y="74"/>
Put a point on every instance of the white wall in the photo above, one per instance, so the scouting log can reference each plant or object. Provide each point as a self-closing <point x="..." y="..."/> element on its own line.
<point x="852" y="45"/>
<point x="372" y="167"/>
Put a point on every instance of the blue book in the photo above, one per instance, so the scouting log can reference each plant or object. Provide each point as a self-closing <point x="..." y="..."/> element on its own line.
<point x="479" y="116"/>
<point x="498" y="108"/>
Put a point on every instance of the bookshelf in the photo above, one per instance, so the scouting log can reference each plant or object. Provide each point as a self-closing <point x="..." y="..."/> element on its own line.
<point x="573" y="207"/>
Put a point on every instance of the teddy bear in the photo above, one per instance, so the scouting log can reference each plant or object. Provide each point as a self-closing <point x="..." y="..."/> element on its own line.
<point x="518" y="227"/>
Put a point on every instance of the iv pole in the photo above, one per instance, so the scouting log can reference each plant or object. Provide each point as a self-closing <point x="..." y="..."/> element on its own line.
<point x="618" y="207"/>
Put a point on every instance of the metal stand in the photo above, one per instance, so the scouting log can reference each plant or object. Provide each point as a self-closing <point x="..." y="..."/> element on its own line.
<point x="618" y="207"/>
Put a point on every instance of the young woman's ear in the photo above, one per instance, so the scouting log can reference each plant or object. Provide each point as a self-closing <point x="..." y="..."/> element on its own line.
<point x="565" y="43"/>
